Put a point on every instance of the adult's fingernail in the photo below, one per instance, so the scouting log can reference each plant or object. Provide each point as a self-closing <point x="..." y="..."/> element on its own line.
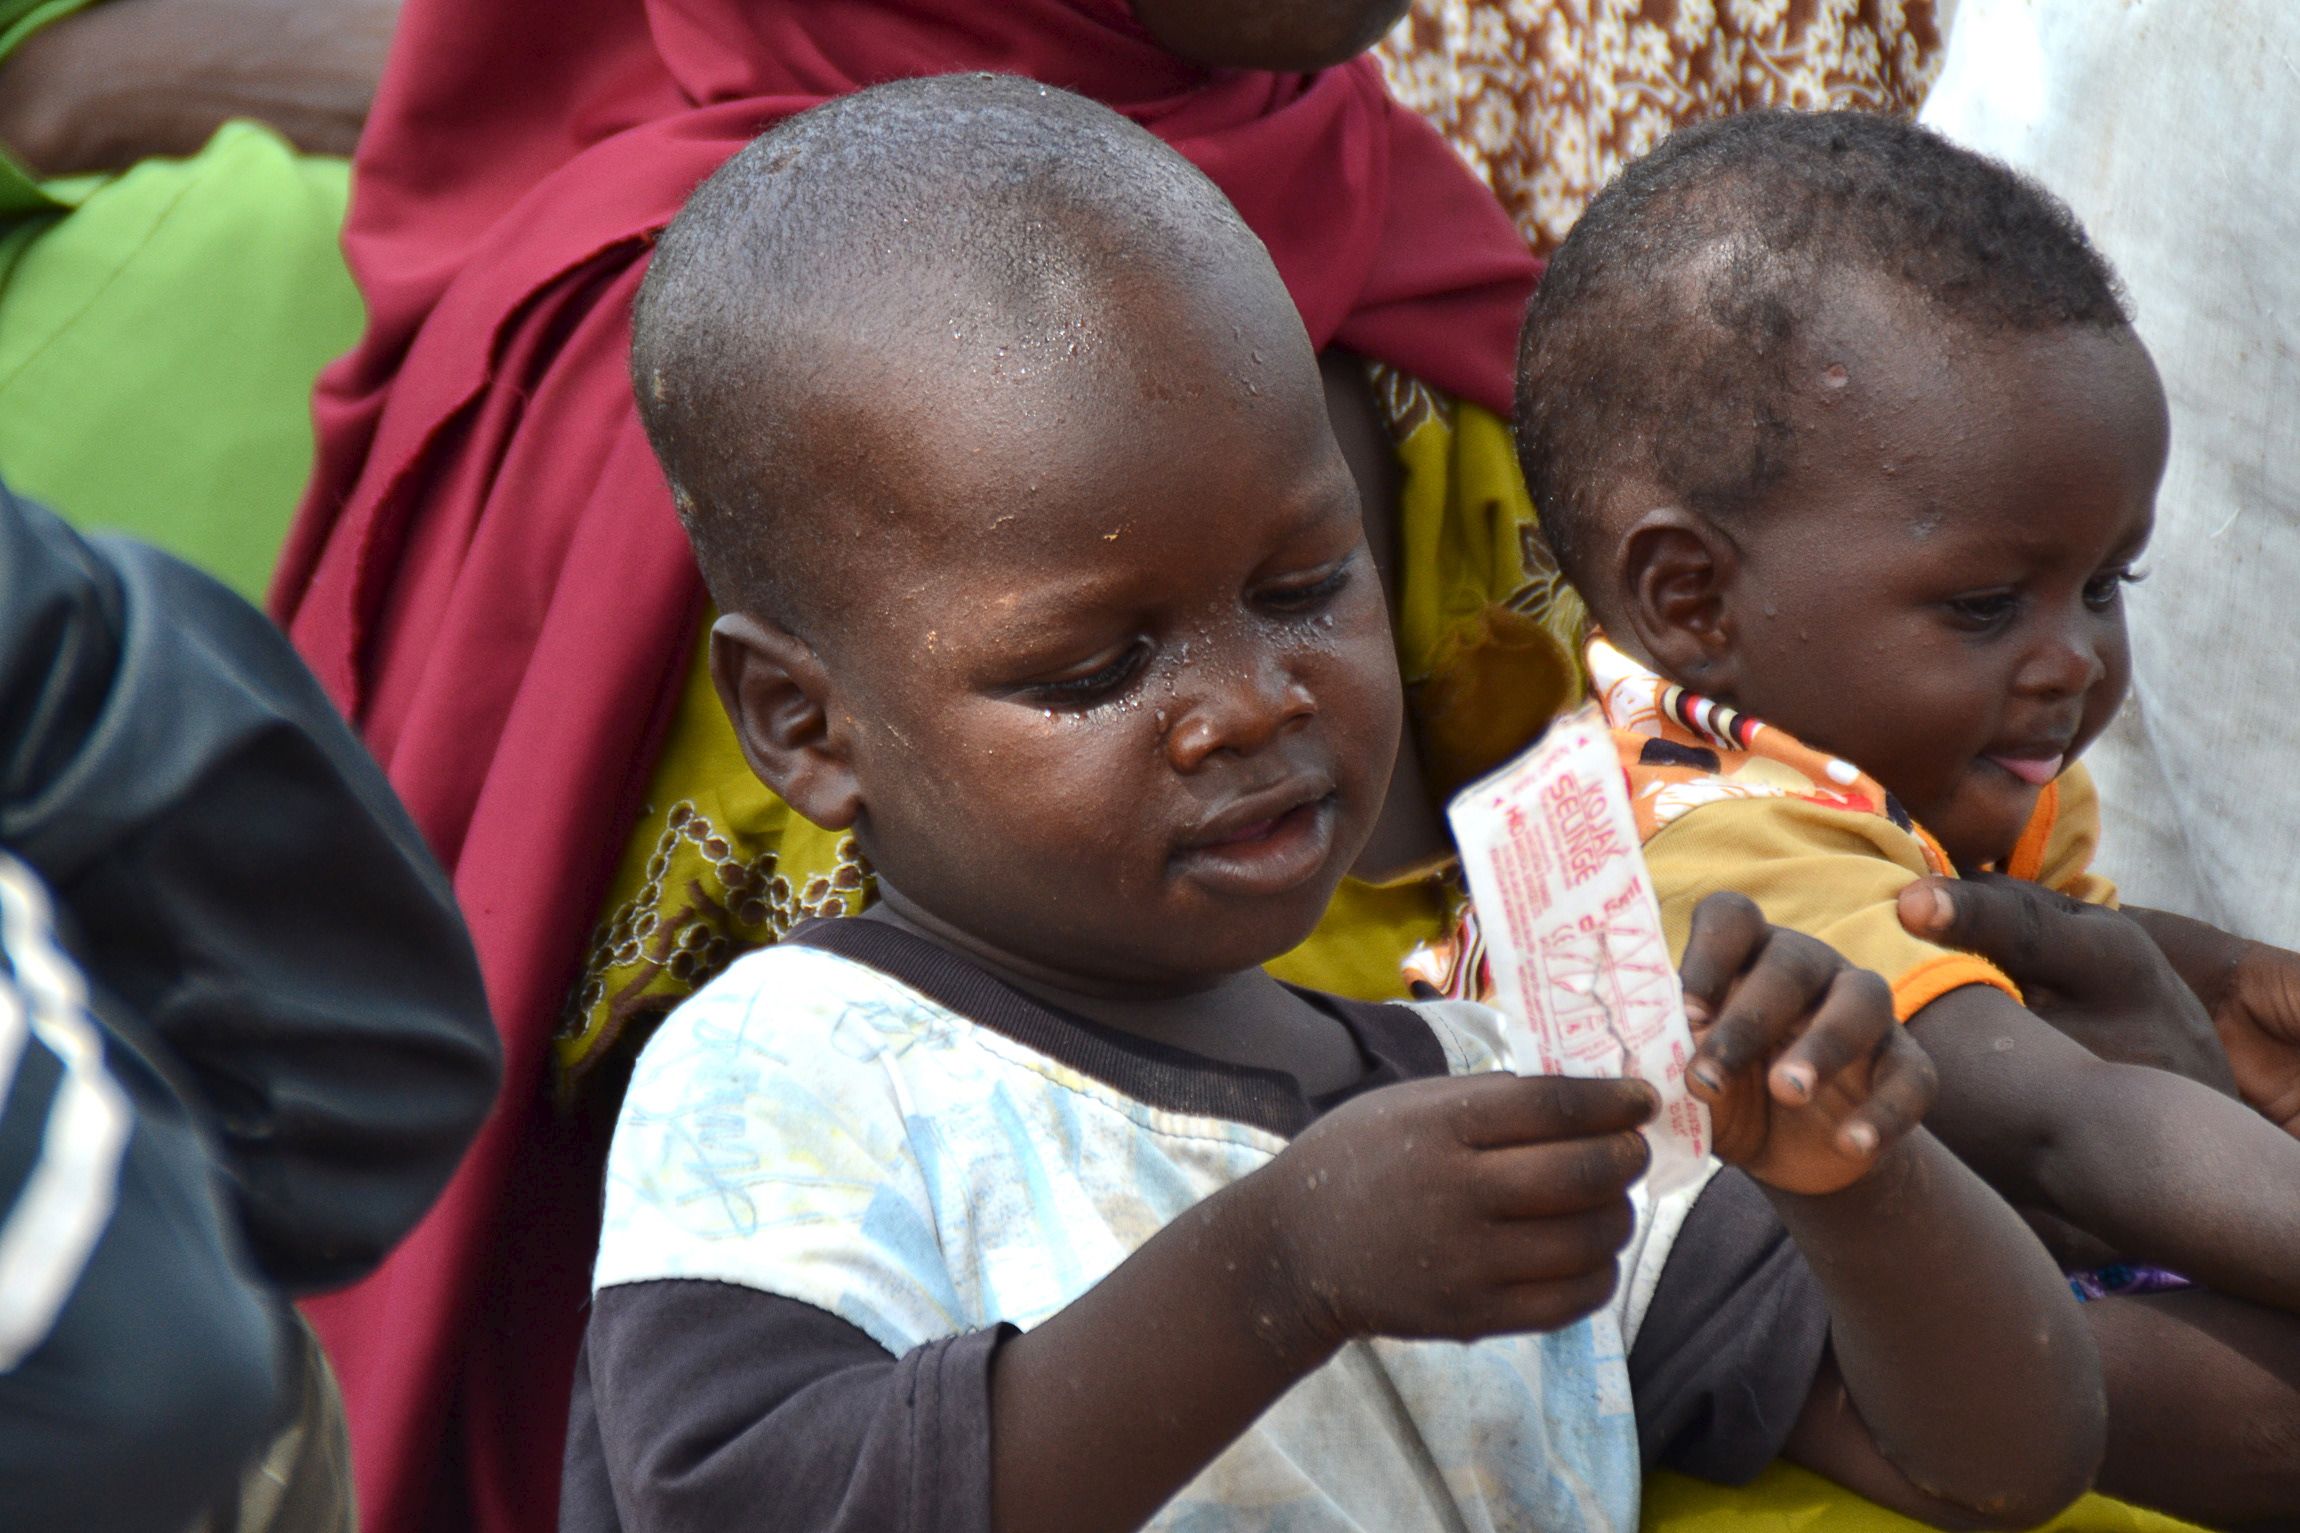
<point x="1697" y="1011"/>
<point x="1708" y="1075"/>
<point x="1798" y="1078"/>
<point x="1935" y="908"/>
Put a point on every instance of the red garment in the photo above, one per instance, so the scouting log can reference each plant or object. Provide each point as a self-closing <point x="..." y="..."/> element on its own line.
<point x="488" y="576"/>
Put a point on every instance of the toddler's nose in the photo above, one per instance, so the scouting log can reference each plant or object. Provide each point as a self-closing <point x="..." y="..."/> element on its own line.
<point x="1237" y="707"/>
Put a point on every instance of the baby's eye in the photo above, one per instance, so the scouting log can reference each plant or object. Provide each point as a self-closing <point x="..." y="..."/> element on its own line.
<point x="1095" y="686"/>
<point x="1983" y="611"/>
<point x="2106" y="589"/>
<point x="1308" y="596"/>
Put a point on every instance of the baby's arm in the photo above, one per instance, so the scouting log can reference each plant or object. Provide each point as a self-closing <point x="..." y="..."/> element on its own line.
<point x="1942" y="1306"/>
<point x="2157" y="1166"/>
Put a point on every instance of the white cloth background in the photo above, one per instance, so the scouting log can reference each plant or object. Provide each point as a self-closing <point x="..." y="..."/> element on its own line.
<point x="2172" y="127"/>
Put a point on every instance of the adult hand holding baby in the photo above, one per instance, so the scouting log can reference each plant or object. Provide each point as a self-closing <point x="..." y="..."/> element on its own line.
<point x="2139" y="987"/>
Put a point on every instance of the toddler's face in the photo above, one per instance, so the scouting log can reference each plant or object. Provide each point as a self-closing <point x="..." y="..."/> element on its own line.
<point x="1133" y="716"/>
<point x="1936" y="593"/>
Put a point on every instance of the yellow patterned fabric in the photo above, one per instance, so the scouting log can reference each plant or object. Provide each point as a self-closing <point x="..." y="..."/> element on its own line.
<point x="1788" y="1500"/>
<point x="1487" y="634"/>
<point x="1548" y="99"/>
<point x="1488" y="631"/>
<point x="716" y="867"/>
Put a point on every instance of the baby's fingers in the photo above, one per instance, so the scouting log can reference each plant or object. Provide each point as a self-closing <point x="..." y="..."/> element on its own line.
<point x="1727" y="934"/>
<point x="1901" y="1090"/>
<point x="1767" y="1004"/>
<point x="1855" y="1015"/>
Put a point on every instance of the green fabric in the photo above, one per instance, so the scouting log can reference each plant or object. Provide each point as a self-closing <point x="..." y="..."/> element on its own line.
<point x="159" y="340"/>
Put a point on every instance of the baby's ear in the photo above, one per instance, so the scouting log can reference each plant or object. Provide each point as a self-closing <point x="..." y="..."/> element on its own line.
<point x="1676" y="571"/>
<point x="777" y="693"/>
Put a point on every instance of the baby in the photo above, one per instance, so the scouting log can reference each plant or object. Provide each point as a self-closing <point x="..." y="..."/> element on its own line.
<point x="1846" y="438"/>
<point x="1027" y="1201"/>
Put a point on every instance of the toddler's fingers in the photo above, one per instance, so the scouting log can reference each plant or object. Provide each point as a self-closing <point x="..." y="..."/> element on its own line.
<point x="1552" y="1306"/>
<point x="1728" y="933"/>
<point x="1855" y="1014"/>
<point x="1764" y="1006"/>
<point x="1901" y="1091"/>
<point x="1503" y="1109"/>
<point x="1550" y="1181"/>
<point x="1555" y="1250"/>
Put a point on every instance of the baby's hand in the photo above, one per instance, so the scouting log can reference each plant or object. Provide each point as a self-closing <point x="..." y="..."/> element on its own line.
<point x="1457" y="1208"/>
<point x="1807" y="1076"/>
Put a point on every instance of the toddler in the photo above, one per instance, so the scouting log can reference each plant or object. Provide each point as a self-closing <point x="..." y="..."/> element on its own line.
<point x="1027" y="1201"/>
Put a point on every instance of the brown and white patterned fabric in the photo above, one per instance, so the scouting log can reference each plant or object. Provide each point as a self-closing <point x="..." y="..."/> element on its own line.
<point x="1548" y="99"/>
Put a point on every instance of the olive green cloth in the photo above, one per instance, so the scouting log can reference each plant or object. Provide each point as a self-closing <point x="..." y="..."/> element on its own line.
<point x="160" y="331"/>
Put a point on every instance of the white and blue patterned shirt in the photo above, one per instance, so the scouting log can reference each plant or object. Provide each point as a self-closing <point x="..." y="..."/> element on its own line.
<point x="929" y="1158"/>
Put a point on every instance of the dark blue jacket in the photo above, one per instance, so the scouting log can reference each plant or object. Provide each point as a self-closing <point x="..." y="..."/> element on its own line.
<point x="279" y="1045"/>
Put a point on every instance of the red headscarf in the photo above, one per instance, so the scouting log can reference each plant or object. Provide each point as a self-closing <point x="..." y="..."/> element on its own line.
<point x="488" y="576"/>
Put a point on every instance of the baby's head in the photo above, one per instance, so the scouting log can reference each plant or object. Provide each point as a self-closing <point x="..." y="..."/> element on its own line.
<point x="1848" y="427"/>
<point x="1004" y="452"/>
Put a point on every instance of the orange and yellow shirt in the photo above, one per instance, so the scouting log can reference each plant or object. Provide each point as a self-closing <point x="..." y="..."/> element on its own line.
<point x="1726" y="801"/>
<point x="1815" y="841"/>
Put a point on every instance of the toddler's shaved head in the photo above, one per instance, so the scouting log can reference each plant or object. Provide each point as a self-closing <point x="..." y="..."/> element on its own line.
<point x="866" y="260"/>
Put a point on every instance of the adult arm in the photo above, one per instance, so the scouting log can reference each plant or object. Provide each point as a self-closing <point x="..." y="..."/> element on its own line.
<point x="141" y="1363"/>
<point x="109" y="85"/>
<point x="2089" y="970"/>
<point x="231" y="862"/>
<point x="2251" y="991"/>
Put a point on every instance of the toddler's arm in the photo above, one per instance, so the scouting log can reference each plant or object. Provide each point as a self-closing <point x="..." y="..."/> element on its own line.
<point x="1454" y="1208"/>
<point x="1942" y="1306"/>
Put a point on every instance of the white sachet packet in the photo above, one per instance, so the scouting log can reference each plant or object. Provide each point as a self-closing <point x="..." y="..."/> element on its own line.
<point x="1572" y="931"/>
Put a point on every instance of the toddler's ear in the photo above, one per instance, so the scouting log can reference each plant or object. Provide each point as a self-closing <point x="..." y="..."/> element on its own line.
<point x="1676" y="571"/>
<point x="776" y="691"/>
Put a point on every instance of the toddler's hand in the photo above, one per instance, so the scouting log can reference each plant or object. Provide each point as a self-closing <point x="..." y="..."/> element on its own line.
<point x="1807" y="1076"/>
<point x="1457" y="1208"/>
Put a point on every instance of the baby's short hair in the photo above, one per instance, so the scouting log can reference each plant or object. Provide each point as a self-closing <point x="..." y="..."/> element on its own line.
<point x="1661" y="340"/>
<point x="978" y="212"/>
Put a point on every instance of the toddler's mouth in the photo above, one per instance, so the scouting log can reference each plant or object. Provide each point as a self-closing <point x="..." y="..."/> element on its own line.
<point x="1266" y="844"/>
<point x="2036" y="771"/>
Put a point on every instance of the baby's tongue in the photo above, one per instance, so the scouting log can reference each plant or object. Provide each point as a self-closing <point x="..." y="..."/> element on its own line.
<point x="2036" y="771"/>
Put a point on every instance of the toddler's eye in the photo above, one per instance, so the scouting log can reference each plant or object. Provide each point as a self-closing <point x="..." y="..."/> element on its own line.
<point x="1983" y="610"/>
<point x="1096" y="686"/>
<point x="2105" y="590"/>
<point x="1311" y="596"/>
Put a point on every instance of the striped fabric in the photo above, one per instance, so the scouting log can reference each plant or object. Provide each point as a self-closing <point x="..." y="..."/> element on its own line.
<point x="63" y="1121"/>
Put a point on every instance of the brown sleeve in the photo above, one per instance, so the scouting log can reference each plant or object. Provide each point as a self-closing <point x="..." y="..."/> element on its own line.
<point x="705" y="1407"/>
<point x="1731" y="1343"/>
